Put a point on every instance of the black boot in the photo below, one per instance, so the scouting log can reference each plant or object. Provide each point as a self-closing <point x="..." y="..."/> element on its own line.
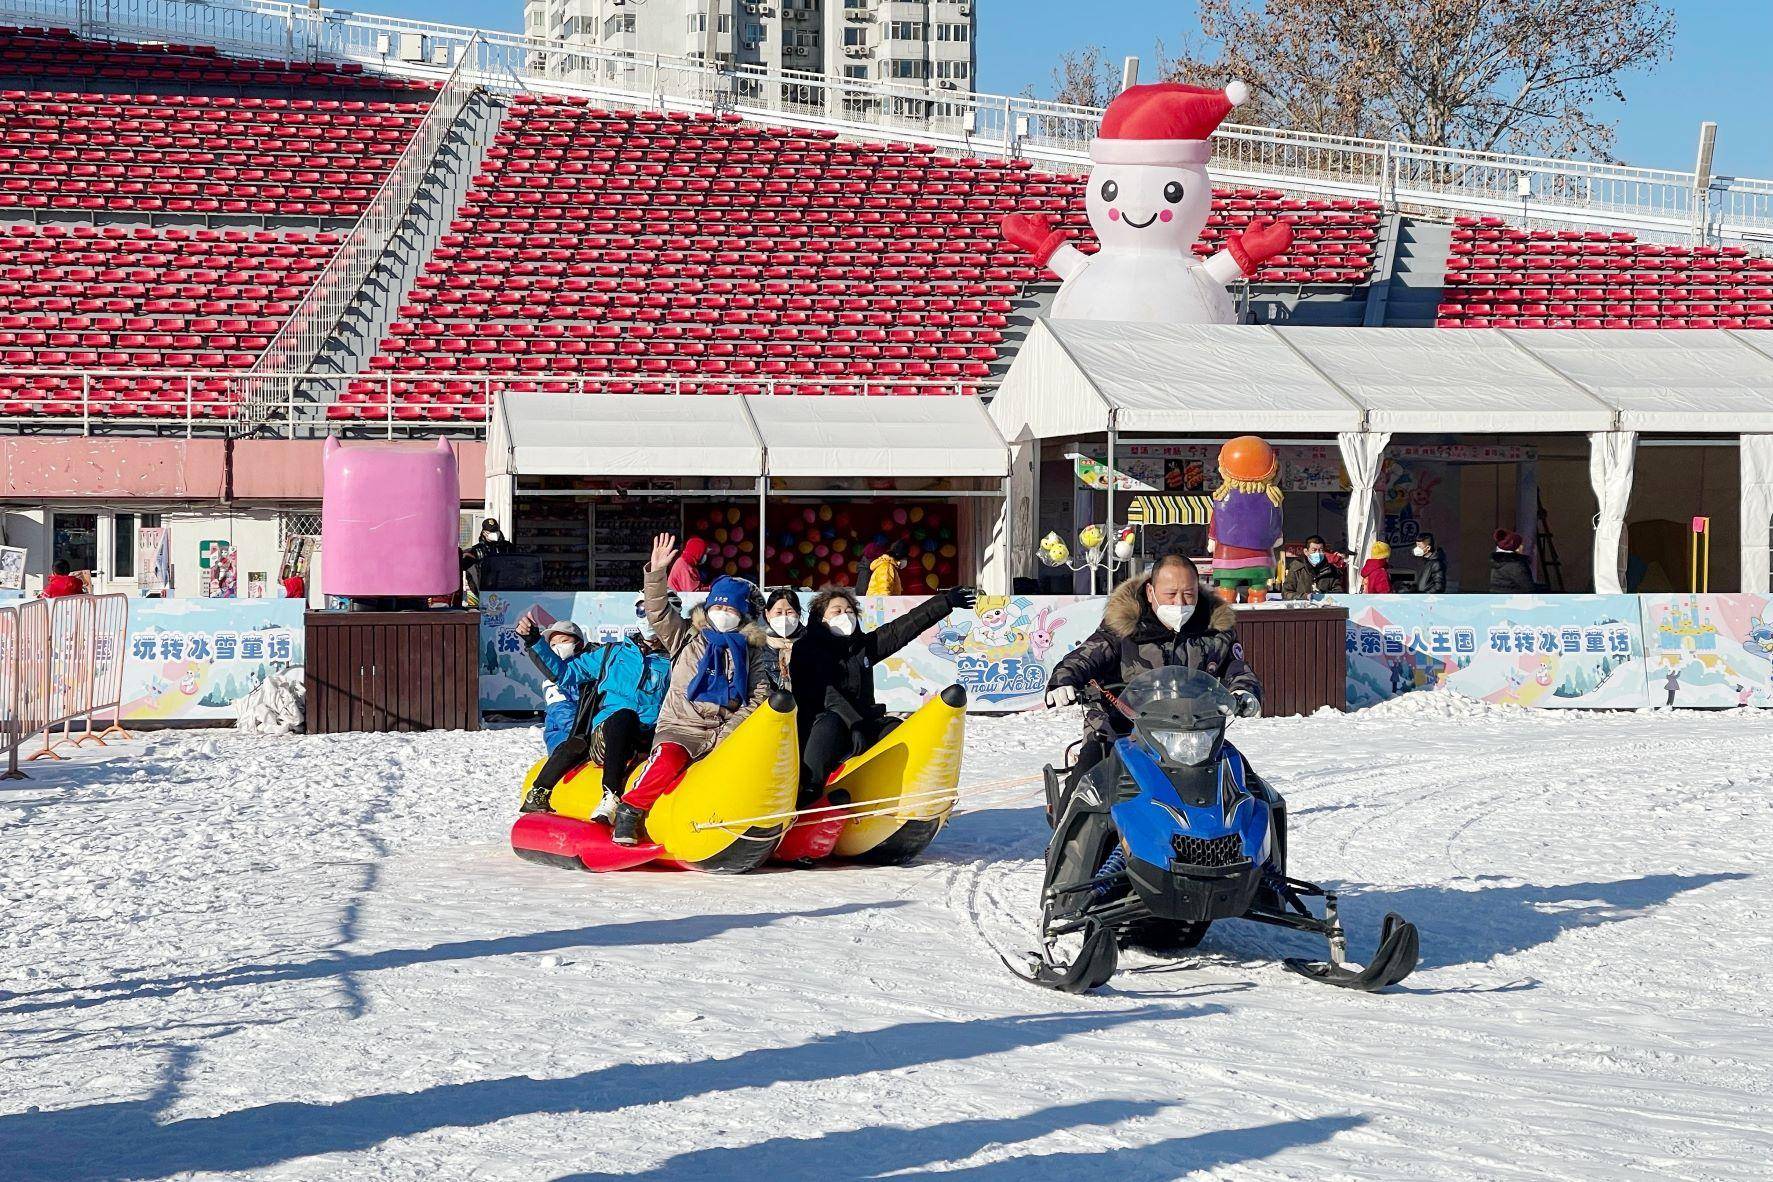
<point x="539" y="800"/>
<point x="627" y="826"/>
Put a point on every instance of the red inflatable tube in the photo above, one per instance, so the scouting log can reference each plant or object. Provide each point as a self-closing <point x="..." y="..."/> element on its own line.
<point x="576" y="845"/>
<point x="811" y="839"/>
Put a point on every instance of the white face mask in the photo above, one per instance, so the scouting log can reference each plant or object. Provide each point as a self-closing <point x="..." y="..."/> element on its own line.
<point x="784" y="626"/>
<point x="842" y="625"/>
<point x="1422" y="551"/>
<point x="1173" y="615"/>
<point x="724" y="619"/>
<point x="566" y="650"/>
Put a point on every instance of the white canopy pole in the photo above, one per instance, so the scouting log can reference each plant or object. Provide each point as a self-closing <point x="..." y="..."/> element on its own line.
<point x="1757" y="512"/>
<point x="1362" y="452"/>
<point x="1611" y="457"/>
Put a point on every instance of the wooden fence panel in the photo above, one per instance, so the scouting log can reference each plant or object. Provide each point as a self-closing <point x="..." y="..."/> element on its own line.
<point x="1299" y="654"/>
<point x="392" y="671"/>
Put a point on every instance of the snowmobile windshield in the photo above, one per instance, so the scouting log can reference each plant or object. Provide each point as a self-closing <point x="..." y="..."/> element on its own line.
<point x="1179" y="713"/>
<point x="1179" y="695"/>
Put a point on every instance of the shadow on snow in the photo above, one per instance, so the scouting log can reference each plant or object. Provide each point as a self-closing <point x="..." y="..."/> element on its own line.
<point x="684" y="930"/>
<point x="882" y="1151"/>
<point x="127" y="1139"/>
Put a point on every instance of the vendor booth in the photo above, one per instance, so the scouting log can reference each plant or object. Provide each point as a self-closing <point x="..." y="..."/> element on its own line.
<point x="1458" y="433"/>
<point x="784" y="490"/>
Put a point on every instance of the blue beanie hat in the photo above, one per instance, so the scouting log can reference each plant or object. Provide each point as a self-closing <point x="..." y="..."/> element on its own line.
<point x="729" y="592"/>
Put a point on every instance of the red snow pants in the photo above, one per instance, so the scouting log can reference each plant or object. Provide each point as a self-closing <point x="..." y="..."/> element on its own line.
<point x="664" y="771"/>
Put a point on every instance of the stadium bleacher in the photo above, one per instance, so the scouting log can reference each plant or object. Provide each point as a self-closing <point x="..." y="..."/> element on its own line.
<point x="60" y="56"/>
<point x="198" y="153"/>
<point x="1499" y="276"/>
<point x="120" y="298"/>
<point x="671" y="251"/>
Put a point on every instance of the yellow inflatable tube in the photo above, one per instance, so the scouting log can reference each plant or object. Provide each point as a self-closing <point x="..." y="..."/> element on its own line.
<point x="753" y="772"/>
<point x="918" y="764"/>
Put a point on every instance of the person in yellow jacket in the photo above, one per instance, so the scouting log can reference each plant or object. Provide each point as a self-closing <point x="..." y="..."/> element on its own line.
<point x="883" y="572"/>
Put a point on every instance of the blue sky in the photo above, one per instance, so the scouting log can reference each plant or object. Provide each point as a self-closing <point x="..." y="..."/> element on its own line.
<point x="1722" y="67"/>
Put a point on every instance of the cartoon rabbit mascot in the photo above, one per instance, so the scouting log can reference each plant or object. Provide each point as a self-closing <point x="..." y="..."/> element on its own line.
<point x="1148" y="198"/>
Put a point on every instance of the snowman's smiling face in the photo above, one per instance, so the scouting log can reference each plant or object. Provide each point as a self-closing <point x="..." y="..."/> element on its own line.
<point x="1148" y="208"/>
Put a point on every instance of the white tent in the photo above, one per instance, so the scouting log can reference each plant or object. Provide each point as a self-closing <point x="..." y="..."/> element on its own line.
<point x="751" y="437"/>
<point x="1083" y="377"/>
<point x="878" y="436"/>
<point x="627" y="435"/>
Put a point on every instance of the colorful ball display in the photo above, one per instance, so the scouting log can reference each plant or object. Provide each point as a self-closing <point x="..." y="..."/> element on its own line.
<point x="812" y="545"/>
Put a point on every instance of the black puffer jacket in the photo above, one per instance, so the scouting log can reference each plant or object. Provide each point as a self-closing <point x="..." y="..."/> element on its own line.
<point x="1132" y="640"/>
<point x="1432" y="578"/>
<point x="1510" y="573"/>
<point x="836" y="673"/>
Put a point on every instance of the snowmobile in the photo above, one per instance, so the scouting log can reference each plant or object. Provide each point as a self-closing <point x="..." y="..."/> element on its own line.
<point x="1172" y="831"/>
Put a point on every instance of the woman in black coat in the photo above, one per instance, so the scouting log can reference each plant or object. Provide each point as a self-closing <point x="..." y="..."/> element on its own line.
<point x="1510" y="572"/>
<point x="832" y="672"/>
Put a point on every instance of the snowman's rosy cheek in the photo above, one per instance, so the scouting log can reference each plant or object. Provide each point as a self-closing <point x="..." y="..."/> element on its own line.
<point x="1113" y="214"/>
<point x="1165" y="215"/>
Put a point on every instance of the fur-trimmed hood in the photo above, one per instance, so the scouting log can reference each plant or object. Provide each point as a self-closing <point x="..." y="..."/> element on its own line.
<point x="1127" y="607"/>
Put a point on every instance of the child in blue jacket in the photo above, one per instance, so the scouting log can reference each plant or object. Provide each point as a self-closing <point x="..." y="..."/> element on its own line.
<point x="615" y="690"/>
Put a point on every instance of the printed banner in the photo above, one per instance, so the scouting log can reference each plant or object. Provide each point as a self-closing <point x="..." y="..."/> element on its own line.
<point x="1708" y="650"/>
<point x="12" y="568"/>
<point x="1002" y="651"/>
<point x="152" y="569"/>
<point x="1563" y="651"/>
<point x="196" y="658"/>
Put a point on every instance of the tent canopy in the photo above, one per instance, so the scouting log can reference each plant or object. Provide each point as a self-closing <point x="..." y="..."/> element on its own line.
<point x="535" y="434"/>
<point x="939" y="435"/>
<point x="1078" y="377"/>
<point x="632" y="435"/>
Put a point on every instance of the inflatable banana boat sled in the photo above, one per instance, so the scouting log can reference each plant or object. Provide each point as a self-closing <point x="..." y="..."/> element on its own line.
<point x="753" y="772"/>
<point x="916" y="767"/>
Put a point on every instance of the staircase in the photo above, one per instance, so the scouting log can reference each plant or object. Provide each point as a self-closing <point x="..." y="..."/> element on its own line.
<point x="1409" y="295"/>
<point x="439" y="196"/>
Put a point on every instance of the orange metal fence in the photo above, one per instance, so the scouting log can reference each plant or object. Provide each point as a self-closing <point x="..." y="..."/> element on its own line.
<point x="61" y="663"/>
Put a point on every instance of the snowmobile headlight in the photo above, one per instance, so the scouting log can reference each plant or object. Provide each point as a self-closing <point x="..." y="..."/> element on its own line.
<point x="1187" y="747"/>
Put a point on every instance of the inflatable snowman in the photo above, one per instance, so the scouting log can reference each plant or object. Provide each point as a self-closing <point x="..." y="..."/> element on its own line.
<point x="1148" y="198"/>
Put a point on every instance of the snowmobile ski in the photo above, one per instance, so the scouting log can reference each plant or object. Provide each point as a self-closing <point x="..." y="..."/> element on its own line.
<point x="1094" y="965"/>
<point x="1395" y="960"/>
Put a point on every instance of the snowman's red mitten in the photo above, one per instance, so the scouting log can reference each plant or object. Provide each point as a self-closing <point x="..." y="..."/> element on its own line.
<point x="1262" y="241"/>
<point x="1034" y="234"/>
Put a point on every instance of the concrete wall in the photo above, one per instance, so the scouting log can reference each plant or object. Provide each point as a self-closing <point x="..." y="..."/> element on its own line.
<point x="63" y="468"/>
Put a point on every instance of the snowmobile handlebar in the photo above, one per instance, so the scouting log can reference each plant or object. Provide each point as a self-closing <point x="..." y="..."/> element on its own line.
<point x="1100" y="693"/>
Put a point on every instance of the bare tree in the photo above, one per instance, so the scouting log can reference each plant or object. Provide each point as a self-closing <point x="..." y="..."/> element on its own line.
<point x="1522" y="76"/>
<point x="1086" y="78"/>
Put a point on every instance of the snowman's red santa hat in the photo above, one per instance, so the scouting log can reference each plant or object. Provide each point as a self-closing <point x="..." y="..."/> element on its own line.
<point x="1164" y="123"/>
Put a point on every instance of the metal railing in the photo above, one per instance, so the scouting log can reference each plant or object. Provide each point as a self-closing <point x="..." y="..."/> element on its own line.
<point x="61" y="662"/>
<point x="316" y="317"/>
<point x="308" y="404"/>
<point x="1657" y="203"/>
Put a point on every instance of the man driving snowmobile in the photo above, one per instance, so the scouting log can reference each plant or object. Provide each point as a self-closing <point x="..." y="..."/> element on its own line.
<point x="1151" y="621"/>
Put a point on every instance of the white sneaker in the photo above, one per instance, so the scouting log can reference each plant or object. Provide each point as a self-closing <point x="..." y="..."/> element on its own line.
<point x="606" y="809"/>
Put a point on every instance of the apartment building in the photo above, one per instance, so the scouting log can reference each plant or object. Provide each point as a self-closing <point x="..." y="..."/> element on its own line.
<point x="912" y="43"/>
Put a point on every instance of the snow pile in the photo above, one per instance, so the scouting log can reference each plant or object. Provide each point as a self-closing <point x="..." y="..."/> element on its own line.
<point x="1439" y="704"/>
<point x="275" y="706"/>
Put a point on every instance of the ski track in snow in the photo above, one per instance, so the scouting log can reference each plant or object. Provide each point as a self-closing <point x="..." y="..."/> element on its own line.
<point x="316" y="958"/>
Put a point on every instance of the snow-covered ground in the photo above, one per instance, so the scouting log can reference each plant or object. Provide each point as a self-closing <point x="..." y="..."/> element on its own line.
<point x="315" y="958"/>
